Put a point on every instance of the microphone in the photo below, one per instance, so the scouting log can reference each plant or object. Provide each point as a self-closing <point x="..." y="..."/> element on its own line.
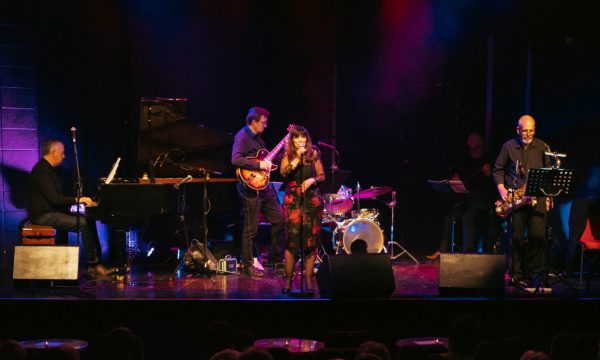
<point x="555" y="154"/>
<point x="73" y="130"/>
<point x="320" y="143"/>
<point x="393" y="196"/>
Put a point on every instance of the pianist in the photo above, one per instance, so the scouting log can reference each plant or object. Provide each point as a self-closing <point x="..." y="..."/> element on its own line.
<point x="48" y="205"/>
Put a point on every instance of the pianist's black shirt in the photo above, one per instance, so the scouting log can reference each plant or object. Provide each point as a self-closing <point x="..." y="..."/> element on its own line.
<point x="46" y="192"/>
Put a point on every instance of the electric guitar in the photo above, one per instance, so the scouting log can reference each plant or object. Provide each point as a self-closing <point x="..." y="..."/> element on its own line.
<point x="259" y="179"/>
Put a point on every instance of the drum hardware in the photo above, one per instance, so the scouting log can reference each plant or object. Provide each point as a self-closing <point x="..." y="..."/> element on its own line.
<point x="371" y="192"/>
<point x="392" y="205"/>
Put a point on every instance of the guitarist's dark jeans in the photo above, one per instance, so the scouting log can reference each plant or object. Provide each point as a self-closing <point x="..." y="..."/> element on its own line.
<point x="251" y="207"/>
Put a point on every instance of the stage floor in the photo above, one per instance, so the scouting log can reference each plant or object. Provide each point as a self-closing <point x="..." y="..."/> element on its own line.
<point x="171" y="312"/>
<point x="411" y="280"/>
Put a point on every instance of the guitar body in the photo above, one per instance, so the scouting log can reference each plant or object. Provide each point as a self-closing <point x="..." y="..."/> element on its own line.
<point x="255" y="179"/>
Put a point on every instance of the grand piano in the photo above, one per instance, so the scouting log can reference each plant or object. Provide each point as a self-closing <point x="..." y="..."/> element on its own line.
<point x="177" y="158"/>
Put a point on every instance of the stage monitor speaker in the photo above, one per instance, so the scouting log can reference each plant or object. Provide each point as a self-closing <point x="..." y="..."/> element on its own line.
<point x="472" y="274"/>
<point x="46" y="262"/>
<point x="356" y="276"/>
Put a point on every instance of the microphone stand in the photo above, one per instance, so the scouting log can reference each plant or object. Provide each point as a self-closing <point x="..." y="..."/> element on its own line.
<point x="302" y="292"/>
<point x="78" y="191"/>
<point x="151" y="172"/>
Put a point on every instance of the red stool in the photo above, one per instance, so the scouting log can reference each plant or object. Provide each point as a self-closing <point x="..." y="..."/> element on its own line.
<point x="590" y="240"/>
<point x="32" y="234"/>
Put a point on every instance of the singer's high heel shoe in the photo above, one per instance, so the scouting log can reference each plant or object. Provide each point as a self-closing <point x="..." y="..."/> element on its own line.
<point x="287" y="284"/>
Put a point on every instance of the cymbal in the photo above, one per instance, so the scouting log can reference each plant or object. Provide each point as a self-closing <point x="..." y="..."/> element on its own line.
<point x="372" y="192"/>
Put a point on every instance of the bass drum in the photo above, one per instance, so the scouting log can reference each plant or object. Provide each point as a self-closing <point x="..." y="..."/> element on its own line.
<point x="366" y="230"/>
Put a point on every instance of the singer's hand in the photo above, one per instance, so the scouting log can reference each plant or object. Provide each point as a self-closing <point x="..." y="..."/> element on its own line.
<point x="308" y="183"/>
<point x="265" y="165"/>
<point x="85" y="200"/>
<point x="301" y="150"/>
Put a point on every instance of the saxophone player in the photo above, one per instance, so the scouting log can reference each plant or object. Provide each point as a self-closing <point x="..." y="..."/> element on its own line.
<point x="517" y="156"/>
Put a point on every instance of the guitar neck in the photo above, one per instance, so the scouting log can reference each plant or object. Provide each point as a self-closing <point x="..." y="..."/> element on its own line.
<point x="277" y="148"/>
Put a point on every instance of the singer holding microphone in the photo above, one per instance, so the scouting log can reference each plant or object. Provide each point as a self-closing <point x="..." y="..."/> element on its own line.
<point x="49" y="206"/>
<point x="517" y="156"/>
<point x="302" y="170"/>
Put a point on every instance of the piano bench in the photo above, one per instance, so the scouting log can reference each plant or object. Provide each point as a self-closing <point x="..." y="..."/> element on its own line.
<point x="32" y="234"/>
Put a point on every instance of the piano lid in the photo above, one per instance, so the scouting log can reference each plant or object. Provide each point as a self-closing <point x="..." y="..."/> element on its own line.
<point x="165" y="128"/>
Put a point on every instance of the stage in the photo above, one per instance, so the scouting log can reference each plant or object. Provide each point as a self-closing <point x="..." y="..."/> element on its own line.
<point x="170" y="311"/>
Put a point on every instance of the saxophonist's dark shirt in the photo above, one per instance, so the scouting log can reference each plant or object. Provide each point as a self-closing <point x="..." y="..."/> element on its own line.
<point x="505" y="169"/>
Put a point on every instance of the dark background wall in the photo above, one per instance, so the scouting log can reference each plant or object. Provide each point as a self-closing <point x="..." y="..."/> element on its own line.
<point x="405" y="81"/>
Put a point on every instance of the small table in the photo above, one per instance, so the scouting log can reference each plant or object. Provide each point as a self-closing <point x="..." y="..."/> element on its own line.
<point x="49" y="343"/>
<point x="294" y="345"/>
<point x="423" y="341"/>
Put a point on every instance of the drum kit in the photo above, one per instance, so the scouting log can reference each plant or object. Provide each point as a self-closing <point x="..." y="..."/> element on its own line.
<point x="360" y="223"/>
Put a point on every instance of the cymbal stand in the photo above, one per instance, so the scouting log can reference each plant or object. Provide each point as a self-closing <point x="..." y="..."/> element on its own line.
<point x="392" y="205"/>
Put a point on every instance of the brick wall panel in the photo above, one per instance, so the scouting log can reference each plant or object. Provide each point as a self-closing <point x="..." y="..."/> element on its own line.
<point x="22" y="160"/>
<point x="16" y="56"/>
<point x="15" y="200"/>
<point x="19" y="139"/>
<point x="19" y="118"/>
<point x="14" y="34"/>
<point x="17" y="76"/>
<point x="18" y="97"/>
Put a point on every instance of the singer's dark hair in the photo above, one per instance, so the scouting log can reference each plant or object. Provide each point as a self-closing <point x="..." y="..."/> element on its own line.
<point x="47" y="148"/>
<point x="299" y="131"/>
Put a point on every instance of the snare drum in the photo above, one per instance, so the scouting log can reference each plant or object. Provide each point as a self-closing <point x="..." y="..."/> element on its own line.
<point x="370" y="214"/>
<point x="366" y="230"/>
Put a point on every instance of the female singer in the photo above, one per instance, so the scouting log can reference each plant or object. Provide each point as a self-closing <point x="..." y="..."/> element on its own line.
<point x="302" y="169"/>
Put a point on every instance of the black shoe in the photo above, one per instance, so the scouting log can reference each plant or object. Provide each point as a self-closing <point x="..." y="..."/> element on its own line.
<point x="252" y="272"/>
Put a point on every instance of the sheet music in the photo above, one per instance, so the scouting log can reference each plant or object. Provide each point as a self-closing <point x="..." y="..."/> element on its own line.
<point x="113" y="171"/>
<point x="456" y="186"/>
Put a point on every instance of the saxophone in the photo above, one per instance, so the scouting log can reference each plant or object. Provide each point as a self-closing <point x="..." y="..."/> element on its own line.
<point x="514" y="200"/>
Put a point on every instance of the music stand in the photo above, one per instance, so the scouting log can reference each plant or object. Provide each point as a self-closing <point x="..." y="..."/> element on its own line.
<point x="449" y="187"/>
<point x="550" y="183"/>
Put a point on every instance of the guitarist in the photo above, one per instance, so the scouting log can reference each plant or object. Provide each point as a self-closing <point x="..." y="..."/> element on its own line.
<point x="516" y="157"/>
<point x="248" y="141"/>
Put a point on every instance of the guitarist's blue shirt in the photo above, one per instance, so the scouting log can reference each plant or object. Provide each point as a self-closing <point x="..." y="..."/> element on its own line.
<point x="246" y="144"/>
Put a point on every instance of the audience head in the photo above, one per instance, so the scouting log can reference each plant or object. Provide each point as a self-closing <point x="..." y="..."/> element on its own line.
<point x="227" y="354"/>
<point x="253" y="353"/>
<point x="371" y="347"/>
<point x="12" y="350"/>
<point x="358" y="246"/>
<point x="219" y="335"/>
<point x="367" y="356"/>
<point x="123" y="344"/>
<point x="534" y="355"/>
<point x="465" y="335"/>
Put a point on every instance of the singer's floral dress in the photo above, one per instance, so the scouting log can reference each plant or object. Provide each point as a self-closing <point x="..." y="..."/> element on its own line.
<point x="307" y="209"/>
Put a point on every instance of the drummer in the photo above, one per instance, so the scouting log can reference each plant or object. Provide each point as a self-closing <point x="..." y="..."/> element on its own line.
<point x="302" y="170"/>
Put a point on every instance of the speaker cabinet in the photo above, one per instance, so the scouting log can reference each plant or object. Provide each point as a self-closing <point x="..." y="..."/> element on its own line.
<point x="46" y="263"/>
<point x="472" y="274"/>
<point x="356" y="276"/>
